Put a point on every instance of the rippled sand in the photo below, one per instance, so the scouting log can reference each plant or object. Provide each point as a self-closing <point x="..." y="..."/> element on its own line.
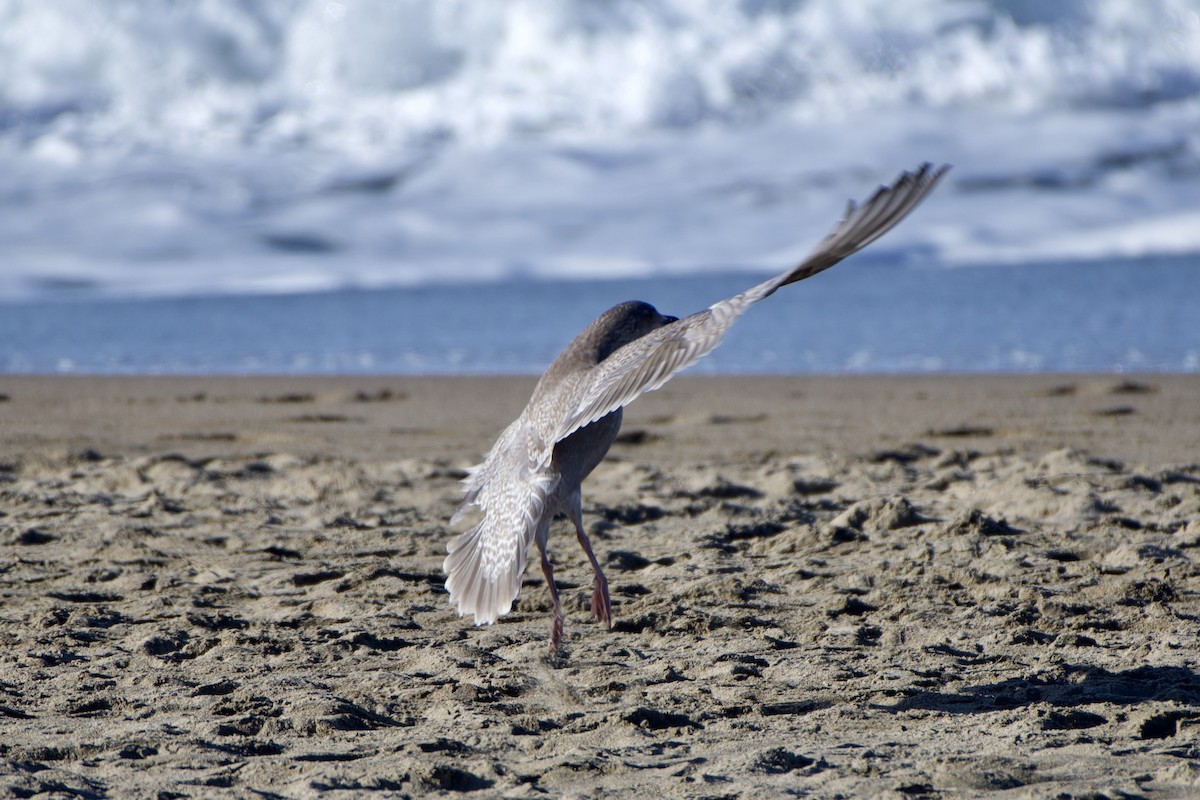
<point x="909" y="587"/>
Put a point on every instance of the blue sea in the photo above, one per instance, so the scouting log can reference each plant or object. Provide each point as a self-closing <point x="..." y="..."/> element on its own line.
<point x="874" y="316"/>
<point x="430" y="186"/>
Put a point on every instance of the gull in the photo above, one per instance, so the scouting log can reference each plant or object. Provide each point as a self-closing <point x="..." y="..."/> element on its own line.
<point x="535" y="470"/>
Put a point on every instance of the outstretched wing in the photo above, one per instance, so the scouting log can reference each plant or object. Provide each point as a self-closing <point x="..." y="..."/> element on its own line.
<point x="649" y="362"/>
<point x="485" y="564"/>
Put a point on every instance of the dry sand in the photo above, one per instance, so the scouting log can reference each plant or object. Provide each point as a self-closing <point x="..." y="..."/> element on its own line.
<point x="857" y="587"/>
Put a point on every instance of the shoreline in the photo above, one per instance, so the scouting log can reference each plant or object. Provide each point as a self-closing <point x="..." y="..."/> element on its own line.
<point x="1149" y="417"/>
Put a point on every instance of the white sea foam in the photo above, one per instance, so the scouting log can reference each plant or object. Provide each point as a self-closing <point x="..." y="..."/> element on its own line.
<point x="220" y="145"/>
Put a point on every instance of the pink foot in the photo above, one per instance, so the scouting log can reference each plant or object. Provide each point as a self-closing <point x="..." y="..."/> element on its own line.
<point x="601" y="602"/>
<point x="556" y="634"/>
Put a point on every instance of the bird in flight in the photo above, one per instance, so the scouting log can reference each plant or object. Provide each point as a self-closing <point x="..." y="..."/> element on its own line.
<point x="535" y="470"/>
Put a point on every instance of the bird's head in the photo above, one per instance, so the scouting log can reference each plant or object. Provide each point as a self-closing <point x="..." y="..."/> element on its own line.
<point x="625" y="323"/>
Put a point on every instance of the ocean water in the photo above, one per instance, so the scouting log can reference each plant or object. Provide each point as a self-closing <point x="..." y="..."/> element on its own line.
<point x="365" y="169"/>
<point x="873" y="316"/>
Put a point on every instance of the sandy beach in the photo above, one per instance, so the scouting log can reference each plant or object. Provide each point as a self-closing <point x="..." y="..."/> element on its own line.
<point x="911" y="587"/>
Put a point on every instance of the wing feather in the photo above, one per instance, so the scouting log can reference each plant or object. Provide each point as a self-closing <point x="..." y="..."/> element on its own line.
<point x="647" y="363"/>
<point x="484" y="565"/>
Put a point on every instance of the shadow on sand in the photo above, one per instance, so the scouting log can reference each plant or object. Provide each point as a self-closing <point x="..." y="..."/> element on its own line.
<point x="1070" y="687"/>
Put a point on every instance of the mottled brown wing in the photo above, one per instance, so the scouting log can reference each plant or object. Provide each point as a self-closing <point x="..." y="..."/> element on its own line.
<point x="649" y="362"/>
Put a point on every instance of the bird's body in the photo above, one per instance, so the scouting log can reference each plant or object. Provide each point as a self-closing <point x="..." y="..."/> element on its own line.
<point x="535" y="470"/>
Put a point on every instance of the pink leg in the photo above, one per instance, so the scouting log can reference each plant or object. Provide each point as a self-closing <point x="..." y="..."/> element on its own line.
<point x="556" y="625"/>
<point x="601" y="602"/>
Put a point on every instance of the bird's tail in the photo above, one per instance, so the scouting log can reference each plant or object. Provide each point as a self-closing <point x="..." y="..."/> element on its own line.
<point x="485" y="564"/>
